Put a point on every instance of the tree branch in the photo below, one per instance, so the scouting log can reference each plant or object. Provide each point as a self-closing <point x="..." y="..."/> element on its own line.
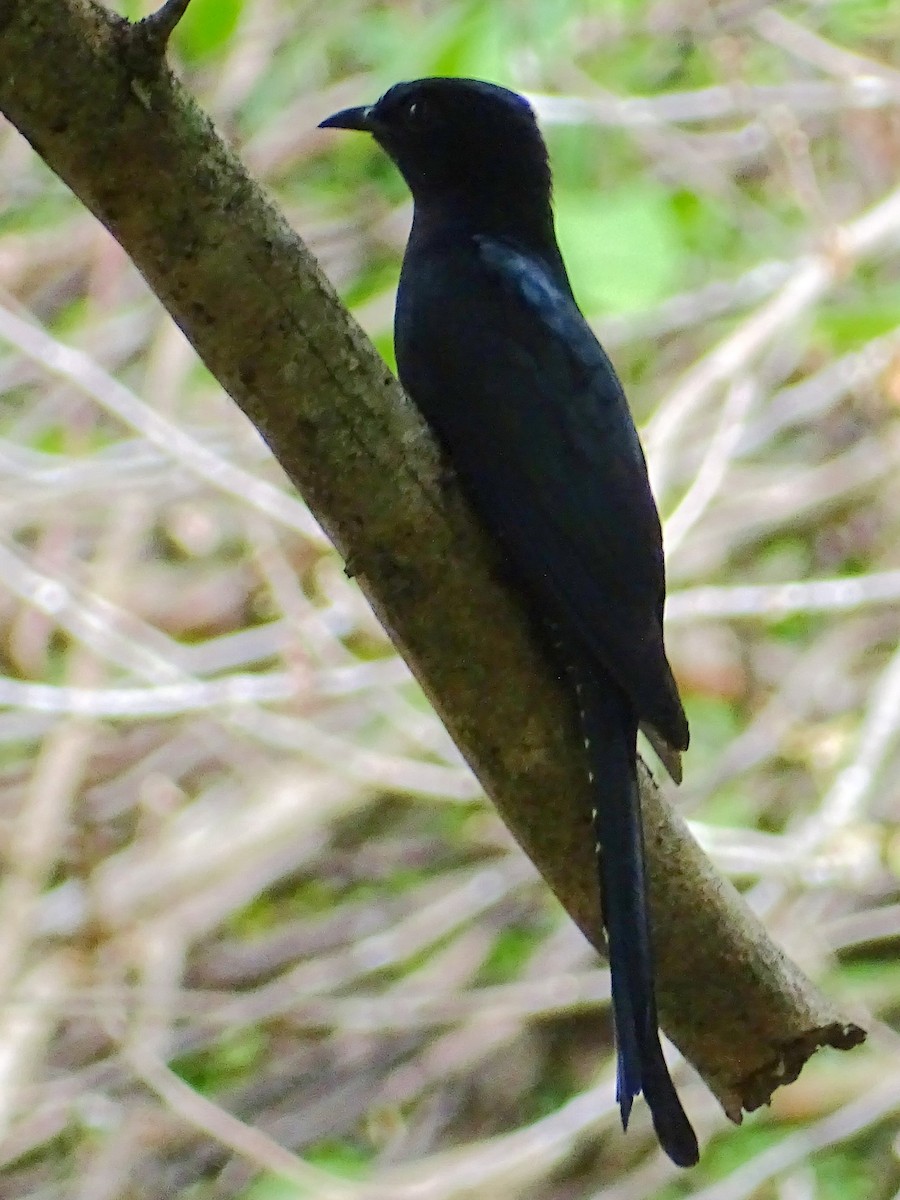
<point x="248" y="295"/>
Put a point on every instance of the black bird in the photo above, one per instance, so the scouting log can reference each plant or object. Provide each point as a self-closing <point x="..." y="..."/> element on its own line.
<point x="493" y="349"/>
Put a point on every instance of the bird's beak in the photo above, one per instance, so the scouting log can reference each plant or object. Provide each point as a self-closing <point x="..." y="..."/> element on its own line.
<point x="350" y="118"/>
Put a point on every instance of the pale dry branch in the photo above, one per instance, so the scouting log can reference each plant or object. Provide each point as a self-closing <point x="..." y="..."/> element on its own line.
<point x="764" y="602"/>
<point x="194" y="456"/>
<point x="876" y="229"/>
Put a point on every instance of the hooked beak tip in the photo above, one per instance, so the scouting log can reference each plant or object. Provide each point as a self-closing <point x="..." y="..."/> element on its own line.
<point x="350" y="118"/>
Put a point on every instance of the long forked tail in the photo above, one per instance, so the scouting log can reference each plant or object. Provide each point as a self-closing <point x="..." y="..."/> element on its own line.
<point x="610" y="732"/>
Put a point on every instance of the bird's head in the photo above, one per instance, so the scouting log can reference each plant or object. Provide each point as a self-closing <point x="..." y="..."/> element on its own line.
<point x="458" y="141"/>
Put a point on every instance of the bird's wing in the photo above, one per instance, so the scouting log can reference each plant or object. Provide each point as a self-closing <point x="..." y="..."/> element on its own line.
<point x="535" y="419"/>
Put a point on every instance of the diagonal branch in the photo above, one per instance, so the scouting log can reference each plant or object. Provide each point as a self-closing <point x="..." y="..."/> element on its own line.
<point x="255" y="306"/>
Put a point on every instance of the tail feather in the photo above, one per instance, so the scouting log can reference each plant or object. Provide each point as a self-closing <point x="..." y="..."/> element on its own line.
<point x="610" y="732"/>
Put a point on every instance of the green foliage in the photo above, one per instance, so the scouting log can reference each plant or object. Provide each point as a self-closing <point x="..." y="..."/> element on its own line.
<point x="344" y="1159"/>
<point x="846" y="1173"/>
<point x="855" y="20"/>
<point x="510" y="952"/>
<point x="726" y="1154"/>
<point x="234" y="1057"/>
<point x="207" y="27"/>
<point x="622" y="247"/>
<point x="271" y="1187"/>
<point x="846" y="326"/>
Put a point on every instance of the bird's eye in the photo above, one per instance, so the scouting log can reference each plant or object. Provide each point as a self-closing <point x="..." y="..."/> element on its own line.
<point x="415" y="112"/>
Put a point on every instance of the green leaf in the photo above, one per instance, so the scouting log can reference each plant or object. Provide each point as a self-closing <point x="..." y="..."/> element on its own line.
<point x="852" y="20"/>
<point x="851" y="325"/>
<point x="273" y="1187"/>
<point x="207" y="27"/>
<point x="622" y="249"/>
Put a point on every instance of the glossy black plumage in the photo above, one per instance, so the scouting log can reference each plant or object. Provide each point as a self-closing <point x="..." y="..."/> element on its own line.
<point x="495" y="352"/>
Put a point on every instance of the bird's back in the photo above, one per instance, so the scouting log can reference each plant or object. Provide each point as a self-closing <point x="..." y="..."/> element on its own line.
<point x="494" y="351"/>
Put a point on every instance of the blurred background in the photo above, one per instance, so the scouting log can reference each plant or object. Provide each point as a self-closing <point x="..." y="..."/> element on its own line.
<point x="261" y="936"/>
